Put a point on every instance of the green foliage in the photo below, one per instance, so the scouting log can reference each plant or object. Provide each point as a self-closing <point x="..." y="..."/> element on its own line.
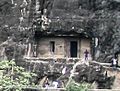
<point x="73" y="86"/>
<point x="13" y="76"/>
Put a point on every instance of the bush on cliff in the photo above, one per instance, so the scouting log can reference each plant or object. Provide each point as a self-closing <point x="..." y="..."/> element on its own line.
<point x="73" y="86"/>
<point x="13" y="77"/>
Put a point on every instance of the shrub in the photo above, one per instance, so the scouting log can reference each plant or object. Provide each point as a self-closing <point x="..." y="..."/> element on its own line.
<point x="73" y="86"/>
<point x="13" y="76"/>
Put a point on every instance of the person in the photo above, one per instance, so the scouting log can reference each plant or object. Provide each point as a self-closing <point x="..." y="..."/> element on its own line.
<point x="114" y="62"/>
<point x="55" y="84"/>
<point x="47" y="83"/>
<point x="86" y="54"/>
<point x="64" y="70"/>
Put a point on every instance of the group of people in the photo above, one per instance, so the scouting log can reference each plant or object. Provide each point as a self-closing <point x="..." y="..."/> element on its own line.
<point x="54" y="84"/>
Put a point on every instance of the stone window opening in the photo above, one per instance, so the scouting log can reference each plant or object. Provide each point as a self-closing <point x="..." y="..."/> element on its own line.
<point x="52" y="46"/>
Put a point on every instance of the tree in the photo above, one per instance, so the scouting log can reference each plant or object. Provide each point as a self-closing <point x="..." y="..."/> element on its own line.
<point x="13" y="77"/>
<point x="74" y="86"/>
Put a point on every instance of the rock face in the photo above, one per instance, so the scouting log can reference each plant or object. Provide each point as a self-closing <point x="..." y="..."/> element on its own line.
<point x="15" y="26"/>
<point x="98" y="19"/>
<point x="92" y="72"/>
<point x="22" y="22"/>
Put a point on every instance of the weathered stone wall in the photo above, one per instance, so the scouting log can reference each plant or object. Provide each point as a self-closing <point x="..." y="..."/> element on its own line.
<point x="44" y="47"/>
<point x="118" y="59"/>
<point x="85" y="44"/>
<point x="62" y="47"/>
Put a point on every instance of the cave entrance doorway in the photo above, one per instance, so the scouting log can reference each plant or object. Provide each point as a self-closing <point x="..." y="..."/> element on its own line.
<point x="73" y="48"/>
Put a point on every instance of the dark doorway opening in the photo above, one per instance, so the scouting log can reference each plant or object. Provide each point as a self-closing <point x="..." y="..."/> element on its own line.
<point x="52" y="46"/>
<point x="73" y="49"/>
